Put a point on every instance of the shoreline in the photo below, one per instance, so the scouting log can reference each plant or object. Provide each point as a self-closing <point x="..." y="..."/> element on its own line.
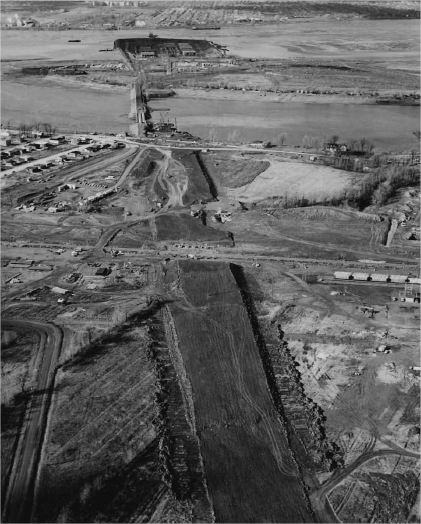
<point x="211" y="94"/>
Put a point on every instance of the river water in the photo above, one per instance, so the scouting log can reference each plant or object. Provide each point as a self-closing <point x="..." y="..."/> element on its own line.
<point x="82" y="109"/>
<point x="72" y="107"/>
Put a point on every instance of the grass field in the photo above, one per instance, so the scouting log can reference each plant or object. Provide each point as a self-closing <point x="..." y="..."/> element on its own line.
<point x="251" y="474"/>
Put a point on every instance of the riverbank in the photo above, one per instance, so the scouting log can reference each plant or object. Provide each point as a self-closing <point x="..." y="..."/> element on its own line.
<point x="263" y="96"/>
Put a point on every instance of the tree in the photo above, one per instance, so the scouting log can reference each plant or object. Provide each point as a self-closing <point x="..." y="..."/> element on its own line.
<point x="353" y="144"/>
<point x="334" y="139"/>
<point x="213" y="135"/>
<point x="282" y="138"/>
<point x="305" y="141"/>
<point x="316" y="142"/>
<point x="234" y="135"/>
<point x="363" y="142"/>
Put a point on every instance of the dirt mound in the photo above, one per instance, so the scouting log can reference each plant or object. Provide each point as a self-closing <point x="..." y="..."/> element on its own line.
<point x="229" y="171"/>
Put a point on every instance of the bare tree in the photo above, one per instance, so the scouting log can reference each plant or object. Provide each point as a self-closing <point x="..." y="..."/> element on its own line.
<point x="316" y="142"/>
<point x="353" y="144"/>
<point x="213" y="135"/>
<point x="370" y="147"/>
<point x="234" y="135"/>
<point x="305" y="141"/>
<point x="282" y="138"/>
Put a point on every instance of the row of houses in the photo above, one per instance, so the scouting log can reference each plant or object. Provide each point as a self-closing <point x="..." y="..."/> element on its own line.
<point x="377" y="277"/>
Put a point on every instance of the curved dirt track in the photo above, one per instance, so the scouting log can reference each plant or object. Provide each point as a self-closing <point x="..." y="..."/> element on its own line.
<point x="319" y="497"/>
<point x="19" y="496"/>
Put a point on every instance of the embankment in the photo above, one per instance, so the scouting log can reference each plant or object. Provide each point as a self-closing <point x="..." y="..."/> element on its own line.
<point x="179" y="447"/>
<point x="303" y="418"/>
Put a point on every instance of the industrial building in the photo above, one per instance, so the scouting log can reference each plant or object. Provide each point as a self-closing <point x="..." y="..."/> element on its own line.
<point x="186" y="49"/>
<point x="146" y="52"/>
<point x="170" y="48"/>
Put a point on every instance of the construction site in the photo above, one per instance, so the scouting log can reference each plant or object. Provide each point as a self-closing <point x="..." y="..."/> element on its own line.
<point x="199" y="330"/>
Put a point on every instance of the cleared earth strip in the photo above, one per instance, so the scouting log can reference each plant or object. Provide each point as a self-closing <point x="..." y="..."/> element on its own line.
<point x="238" y="274"/>
<point x="180" y="447"/>
<point x="212" y="188"/>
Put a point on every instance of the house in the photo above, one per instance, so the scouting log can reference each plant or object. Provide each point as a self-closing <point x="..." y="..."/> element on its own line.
<point x="5" y="141"/>
<point x="52" y="210"/>
<point x="60" y="290"/>
<point x="66" y="186"/>
<point x="103" y="271"/>
<point x="59" y="138"/>
<point x="41" y="144"/>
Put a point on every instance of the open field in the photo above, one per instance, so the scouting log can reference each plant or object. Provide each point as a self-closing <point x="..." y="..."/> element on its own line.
<point x="77" y="461"/>
<point x="232" y="402"/>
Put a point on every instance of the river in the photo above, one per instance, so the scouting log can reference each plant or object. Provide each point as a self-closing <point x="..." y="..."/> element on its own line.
<point x="82" y="109"/>
<point x="391" y="42"/>
<point x="72" y="107"/>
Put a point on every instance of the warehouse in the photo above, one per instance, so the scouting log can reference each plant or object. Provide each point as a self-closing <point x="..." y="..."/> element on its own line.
<point x="186" y="49"/>
<point x="379" y="277"/>
<point x="399" y="279"/>
<point x="361" y="276"/>
<point x="343" y="275"/>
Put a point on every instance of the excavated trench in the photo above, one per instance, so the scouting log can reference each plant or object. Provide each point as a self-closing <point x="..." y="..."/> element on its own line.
<point x="179" y="448"/>
<point x="303" y="418"/>
<point x="212" y="188"/>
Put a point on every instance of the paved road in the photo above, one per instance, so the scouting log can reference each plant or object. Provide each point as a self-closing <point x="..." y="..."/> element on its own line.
<point x="19" y="496"/>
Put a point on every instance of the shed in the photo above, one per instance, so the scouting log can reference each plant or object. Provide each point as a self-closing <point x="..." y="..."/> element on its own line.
<point x="59" y="290"/>
<point x="41" y="267"/>
<point x="361" y="276"/>
<point x="414" y="280"/>
<point x="102" y="271"/>
<point x="379" y="277"/>
<point x="343" y="275"/>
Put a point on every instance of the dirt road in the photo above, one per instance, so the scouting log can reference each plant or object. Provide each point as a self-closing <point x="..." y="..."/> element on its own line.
<point x="319" y="497"/>
<point x="19" y="496"/>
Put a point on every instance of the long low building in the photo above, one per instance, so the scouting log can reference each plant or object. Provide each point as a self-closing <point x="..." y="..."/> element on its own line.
<point x="343" y="275"/>
<point x="360" y="276"/>
<point x="376" y="277"/>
